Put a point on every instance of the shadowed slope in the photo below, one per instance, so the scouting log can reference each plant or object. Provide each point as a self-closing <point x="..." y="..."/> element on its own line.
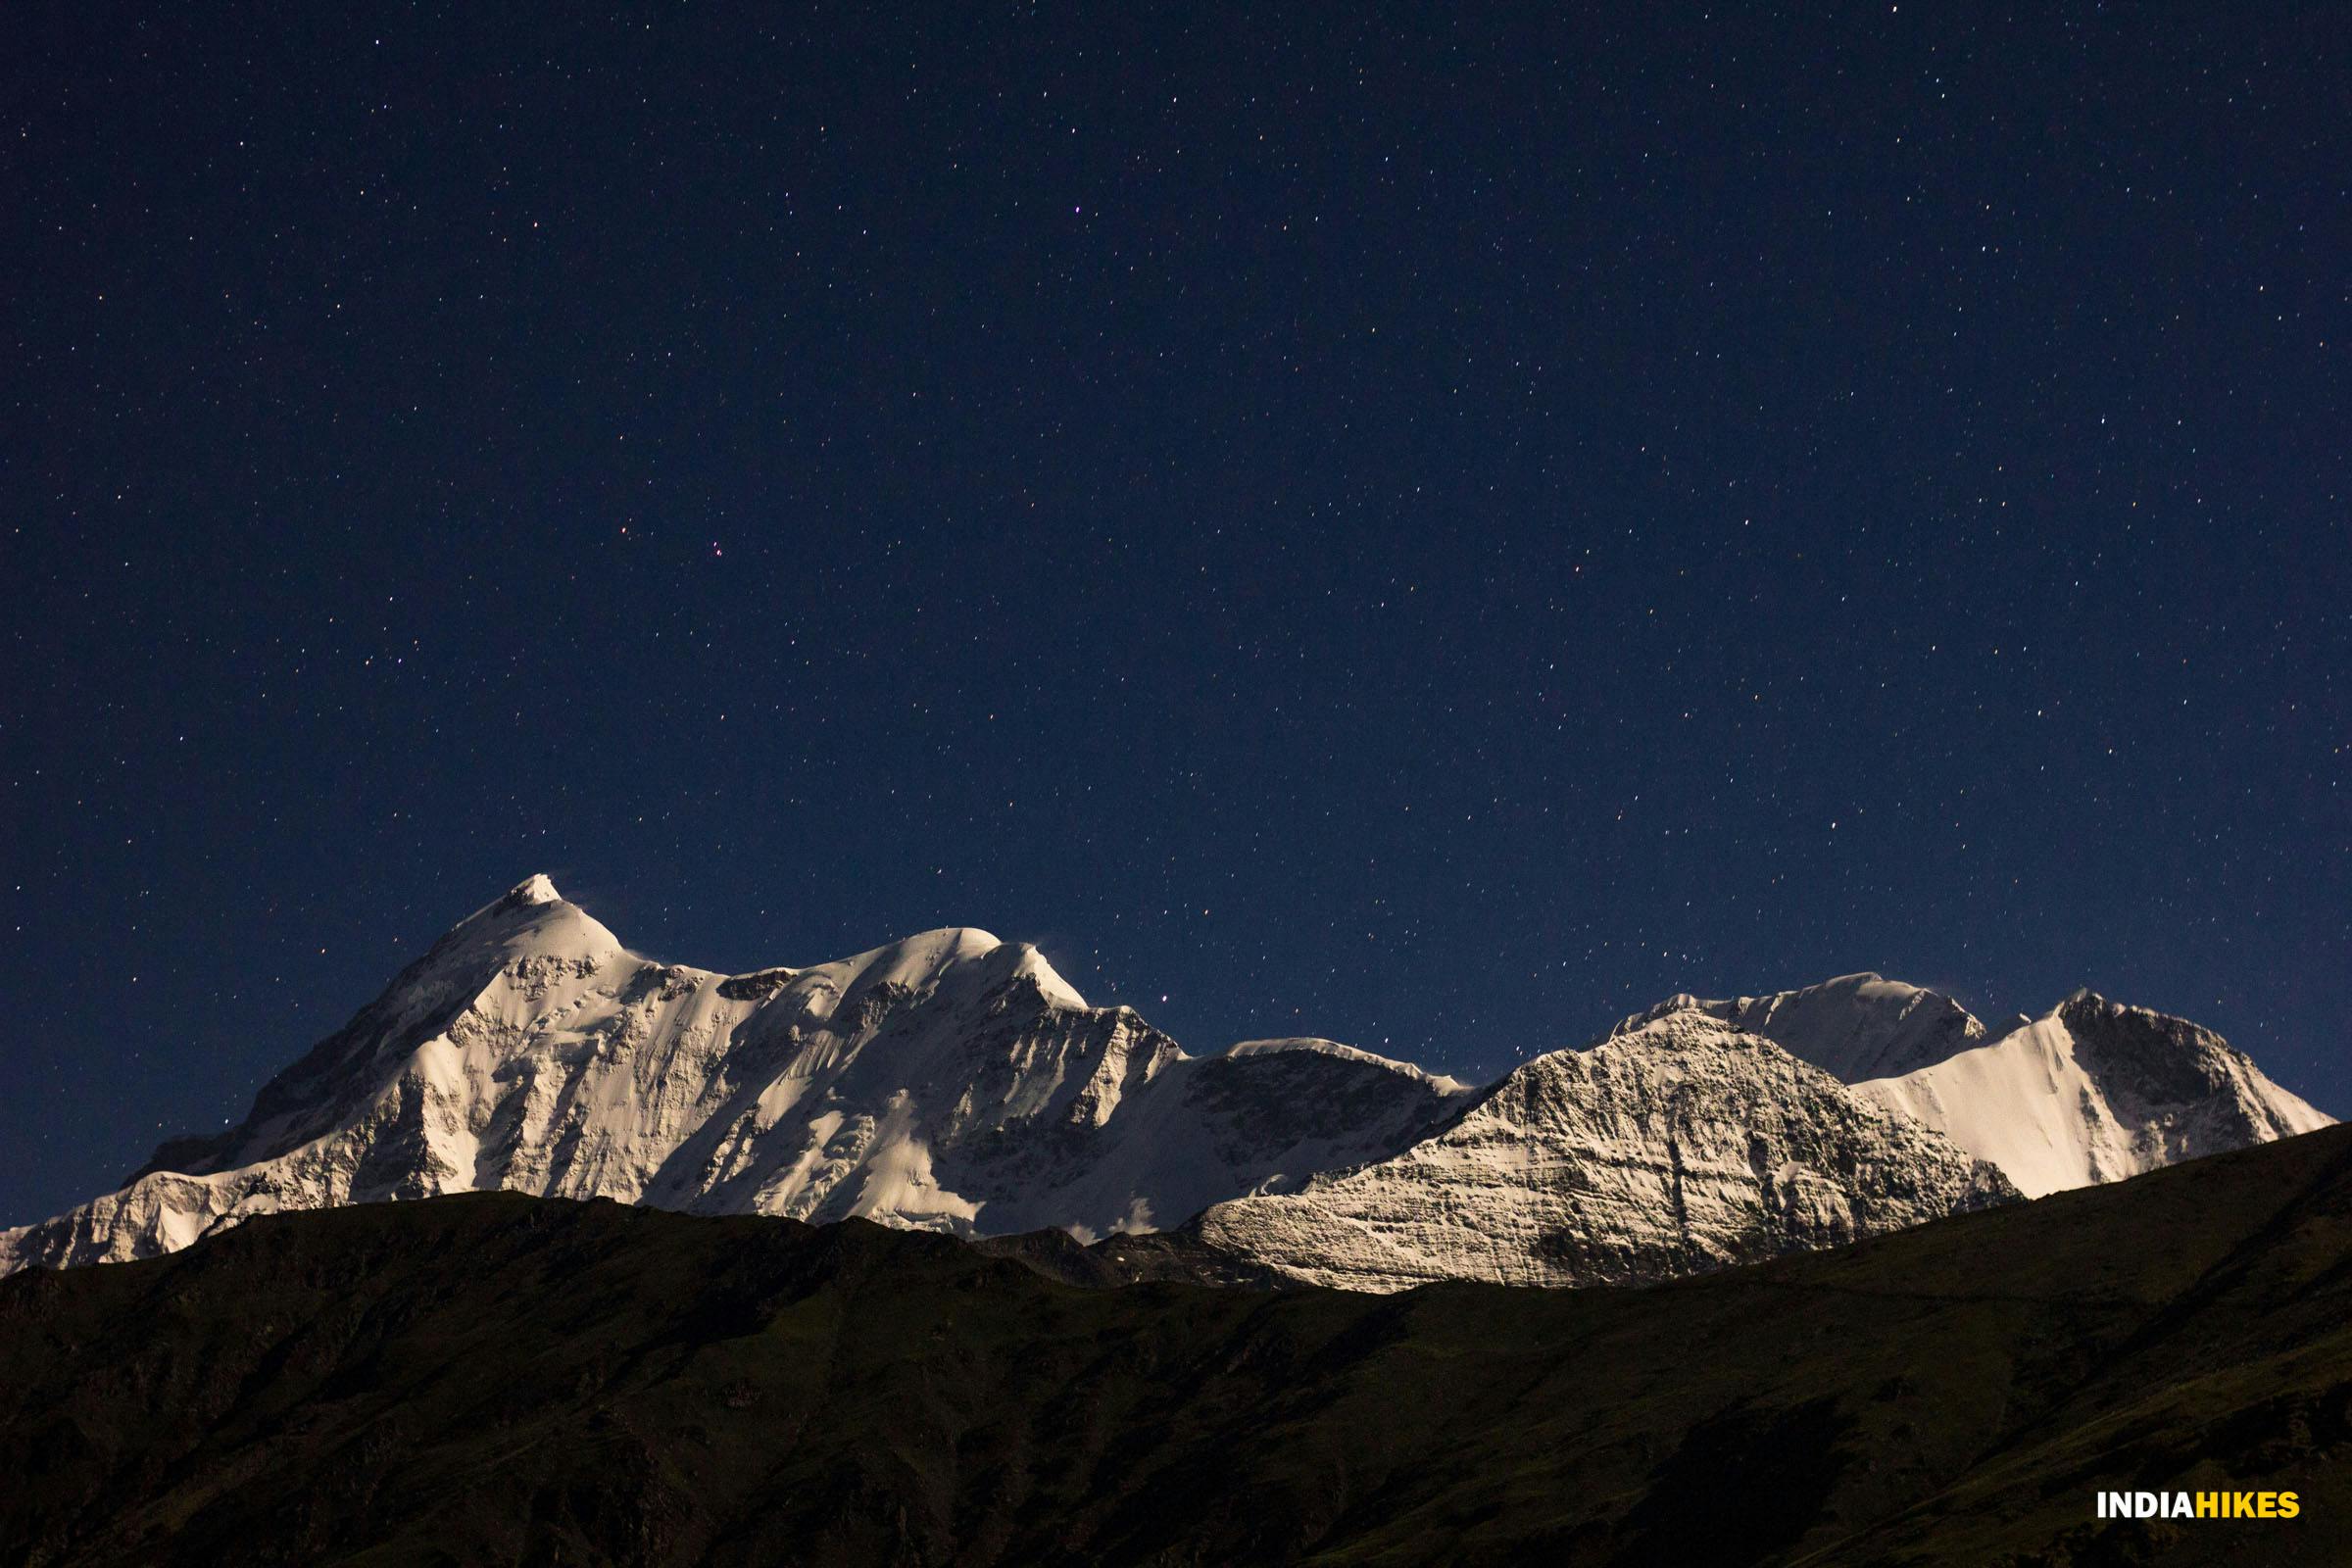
<point x="495" y="1379"/>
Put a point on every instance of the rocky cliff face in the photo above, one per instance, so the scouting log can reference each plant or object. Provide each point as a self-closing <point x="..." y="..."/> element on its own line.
<point x="2096" y="1092"/>
<point x="1679" y="1146"/>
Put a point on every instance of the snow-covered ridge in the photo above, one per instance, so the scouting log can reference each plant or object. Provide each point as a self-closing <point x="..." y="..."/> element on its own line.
<point x="1854" y="1027"/>
<point x="1332" y="1047"/>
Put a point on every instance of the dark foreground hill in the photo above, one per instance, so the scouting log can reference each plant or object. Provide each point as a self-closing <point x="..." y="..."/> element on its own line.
<point x="499" y="1380"/>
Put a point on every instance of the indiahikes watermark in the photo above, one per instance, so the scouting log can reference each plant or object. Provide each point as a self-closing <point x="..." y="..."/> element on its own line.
<point x="2199" y="1505"/>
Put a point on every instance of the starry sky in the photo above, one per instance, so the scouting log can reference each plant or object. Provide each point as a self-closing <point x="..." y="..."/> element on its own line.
<point x="1430" y="526"/>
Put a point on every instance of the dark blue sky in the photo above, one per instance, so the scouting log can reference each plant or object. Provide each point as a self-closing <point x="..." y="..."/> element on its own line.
<point x="1381" y="524"/>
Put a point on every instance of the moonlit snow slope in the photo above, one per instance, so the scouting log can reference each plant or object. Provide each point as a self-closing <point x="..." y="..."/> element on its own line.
<point x="1681" y="1146"/>
<point x="2096" y="1092"/>
<point x="949" y="1081"/>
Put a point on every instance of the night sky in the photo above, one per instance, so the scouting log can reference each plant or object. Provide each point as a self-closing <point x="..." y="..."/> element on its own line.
<point x="1430" y="531"/>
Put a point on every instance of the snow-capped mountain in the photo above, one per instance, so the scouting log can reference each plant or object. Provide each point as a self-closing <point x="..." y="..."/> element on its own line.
<point x="2095" y="1092"/>
<point x="1676" y="1146"/>
<point x="955" y="1082"/>
<point x="949" y="1081"/>
<point x="1855" y="1027"/>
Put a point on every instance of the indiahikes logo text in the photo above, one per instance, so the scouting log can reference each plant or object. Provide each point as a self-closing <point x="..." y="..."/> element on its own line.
<point x="2198" y="1505"/>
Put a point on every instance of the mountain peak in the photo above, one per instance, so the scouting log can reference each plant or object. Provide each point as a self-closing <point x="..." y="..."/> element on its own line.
<point x="1681" y="1145"/>
<point x="536" y="888"/>
<point x="1028" y="960"/>
<point x="532" y="919"/>
<point x="2095" y="1091"/>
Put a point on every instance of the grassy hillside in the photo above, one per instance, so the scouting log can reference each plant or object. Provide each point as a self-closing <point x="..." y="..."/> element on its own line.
<point x="501" y="1380"/>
